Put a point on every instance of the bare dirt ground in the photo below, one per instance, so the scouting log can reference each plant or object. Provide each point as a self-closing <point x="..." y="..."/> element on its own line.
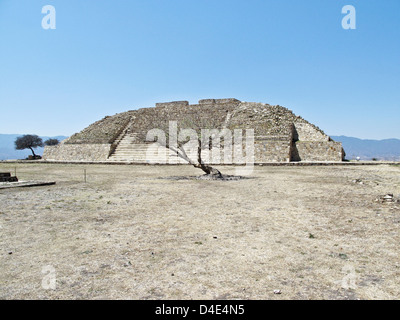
<point x="130" y="232"/>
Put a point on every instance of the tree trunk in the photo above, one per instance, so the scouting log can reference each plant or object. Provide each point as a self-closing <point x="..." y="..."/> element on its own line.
<point x="206" y="168"/>
<point x="34" y="155"/>
<point x="200" y="165"/>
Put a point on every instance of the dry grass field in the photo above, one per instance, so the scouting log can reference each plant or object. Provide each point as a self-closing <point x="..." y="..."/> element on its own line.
<point x="131" y="232"/>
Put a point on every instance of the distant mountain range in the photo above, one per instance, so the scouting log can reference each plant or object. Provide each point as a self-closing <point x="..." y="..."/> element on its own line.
<point x="388" y="149"/>
<point x="7" y="147"/>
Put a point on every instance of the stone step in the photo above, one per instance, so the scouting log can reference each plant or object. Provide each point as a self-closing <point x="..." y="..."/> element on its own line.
<point x="128" y="150"/>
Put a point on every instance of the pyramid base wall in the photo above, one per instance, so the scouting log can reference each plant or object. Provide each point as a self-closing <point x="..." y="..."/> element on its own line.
<point x="77" y="152"/>
<point x="264" y="152"/>
<point x="317" y="151"/>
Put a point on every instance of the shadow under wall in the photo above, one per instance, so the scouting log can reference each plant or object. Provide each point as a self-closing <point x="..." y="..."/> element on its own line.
<point x="294" y="155"/>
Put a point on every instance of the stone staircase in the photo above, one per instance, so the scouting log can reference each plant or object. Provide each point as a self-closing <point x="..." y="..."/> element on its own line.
<point x="129" y="149"/>
<point x="126" y="148"/>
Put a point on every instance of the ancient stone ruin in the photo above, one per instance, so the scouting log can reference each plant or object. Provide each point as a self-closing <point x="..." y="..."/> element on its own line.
<point x="279" y="135"/>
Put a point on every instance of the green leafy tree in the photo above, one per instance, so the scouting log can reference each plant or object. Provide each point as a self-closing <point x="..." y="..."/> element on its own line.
<point x="28" y="141"/>
<point x="52" y="142"/>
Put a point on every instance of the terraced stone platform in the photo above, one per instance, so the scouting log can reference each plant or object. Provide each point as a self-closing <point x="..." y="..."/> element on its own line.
<point x="279" y="134"/>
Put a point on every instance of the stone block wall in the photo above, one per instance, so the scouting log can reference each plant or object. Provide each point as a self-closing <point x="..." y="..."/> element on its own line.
<point x="305" y="131"/>
<point x="172" y="104"/>
<point x="210" y="112"/>
<point x="77" y="152"/>
<point x="270" y="150"/>
<point x="317" y="151"/>
<point x="219" y="101"/>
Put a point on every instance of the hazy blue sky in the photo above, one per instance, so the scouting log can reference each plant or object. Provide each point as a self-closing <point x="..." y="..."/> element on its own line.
<point x="106" y="57"/>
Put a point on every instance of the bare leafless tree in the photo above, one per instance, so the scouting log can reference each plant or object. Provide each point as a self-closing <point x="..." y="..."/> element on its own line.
<point x="201" y="131"/>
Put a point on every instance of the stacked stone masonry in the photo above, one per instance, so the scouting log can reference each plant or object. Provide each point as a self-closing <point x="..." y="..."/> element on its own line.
<point x="279" y="134"/>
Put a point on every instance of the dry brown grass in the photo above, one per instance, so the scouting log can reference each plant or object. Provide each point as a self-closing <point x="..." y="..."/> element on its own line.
<point x="130" y="234"/>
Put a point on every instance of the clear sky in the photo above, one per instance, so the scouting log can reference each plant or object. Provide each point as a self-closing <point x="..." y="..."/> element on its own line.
<point x="110" y="56"/>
